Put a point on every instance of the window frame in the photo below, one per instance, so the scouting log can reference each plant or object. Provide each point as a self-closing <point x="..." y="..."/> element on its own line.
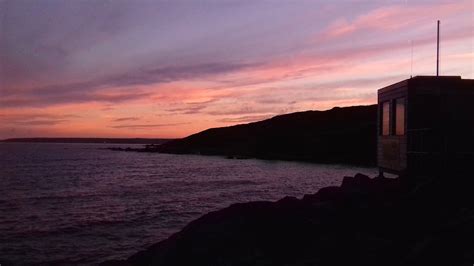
<point x="385" y="128"/>
<point x="396" y="113"/>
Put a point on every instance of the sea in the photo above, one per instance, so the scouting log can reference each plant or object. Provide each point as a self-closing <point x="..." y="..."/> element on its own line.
<point x="81" y="204"/>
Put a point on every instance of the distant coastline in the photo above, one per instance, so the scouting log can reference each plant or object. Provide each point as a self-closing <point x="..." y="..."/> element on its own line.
<point x="89" y="140"/>
<point x="345" y="135"/>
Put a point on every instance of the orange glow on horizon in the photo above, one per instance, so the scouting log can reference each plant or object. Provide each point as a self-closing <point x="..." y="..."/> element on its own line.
<point x="343" y="63"/>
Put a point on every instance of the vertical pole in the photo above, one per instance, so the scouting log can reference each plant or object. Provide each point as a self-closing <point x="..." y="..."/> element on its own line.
<point x="411" y="62"/>
<point x="437" y="52"/>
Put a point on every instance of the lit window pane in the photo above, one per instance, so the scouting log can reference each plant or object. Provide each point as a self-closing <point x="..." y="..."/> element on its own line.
<point x="400" y="117"/>
<point x="386" y="118"/>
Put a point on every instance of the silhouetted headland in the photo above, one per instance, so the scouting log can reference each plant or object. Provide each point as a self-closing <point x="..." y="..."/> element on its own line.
<point x="339" y="135"/>
<point x="365" y="221"/>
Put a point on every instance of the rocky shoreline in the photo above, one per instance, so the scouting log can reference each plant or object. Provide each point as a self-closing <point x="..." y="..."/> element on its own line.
<point x="364" y="221"/>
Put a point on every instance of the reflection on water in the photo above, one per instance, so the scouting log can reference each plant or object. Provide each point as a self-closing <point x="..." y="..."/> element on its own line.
<point x="61" y="202"/>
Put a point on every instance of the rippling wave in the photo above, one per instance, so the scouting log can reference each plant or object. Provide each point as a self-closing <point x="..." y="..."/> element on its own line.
<point x="82" y="204"/>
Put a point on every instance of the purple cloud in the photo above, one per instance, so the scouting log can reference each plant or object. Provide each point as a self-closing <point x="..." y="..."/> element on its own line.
<point x="92" y="90"/>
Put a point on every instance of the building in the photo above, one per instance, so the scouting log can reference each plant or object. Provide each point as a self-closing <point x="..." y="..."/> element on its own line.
<point x="426" y="126"/>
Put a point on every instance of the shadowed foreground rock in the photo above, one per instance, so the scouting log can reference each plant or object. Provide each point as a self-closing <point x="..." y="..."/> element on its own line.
<point x="363" y="222"/>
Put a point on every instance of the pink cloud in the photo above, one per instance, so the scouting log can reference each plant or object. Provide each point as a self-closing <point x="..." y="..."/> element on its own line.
<point x="393" y="18"/>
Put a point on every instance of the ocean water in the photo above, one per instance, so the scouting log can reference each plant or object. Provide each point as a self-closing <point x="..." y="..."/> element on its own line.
<point x="81" y="204"/>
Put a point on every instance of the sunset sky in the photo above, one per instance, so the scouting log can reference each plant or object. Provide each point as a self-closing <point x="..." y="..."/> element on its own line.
<point x="172" y="68"/>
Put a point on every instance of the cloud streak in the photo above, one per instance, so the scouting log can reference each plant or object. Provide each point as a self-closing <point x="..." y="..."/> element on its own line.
<point x="146" y="126"/>
<point x="126" y="119"/>
<point x="94" y="90"/>
<point x="393" y="18"/>
<point x="36" y="119"/>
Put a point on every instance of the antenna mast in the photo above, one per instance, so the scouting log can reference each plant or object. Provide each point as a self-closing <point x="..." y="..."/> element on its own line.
<point x="411" y="62"/>
<point x="437" y="53"/>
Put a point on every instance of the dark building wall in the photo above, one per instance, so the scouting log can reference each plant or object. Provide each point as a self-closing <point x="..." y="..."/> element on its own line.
<point x="440" y="126"/>
<point x="392" y="148"/>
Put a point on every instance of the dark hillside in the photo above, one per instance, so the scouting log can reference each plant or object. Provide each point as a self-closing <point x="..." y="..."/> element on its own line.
<point x="339" y="135"/>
